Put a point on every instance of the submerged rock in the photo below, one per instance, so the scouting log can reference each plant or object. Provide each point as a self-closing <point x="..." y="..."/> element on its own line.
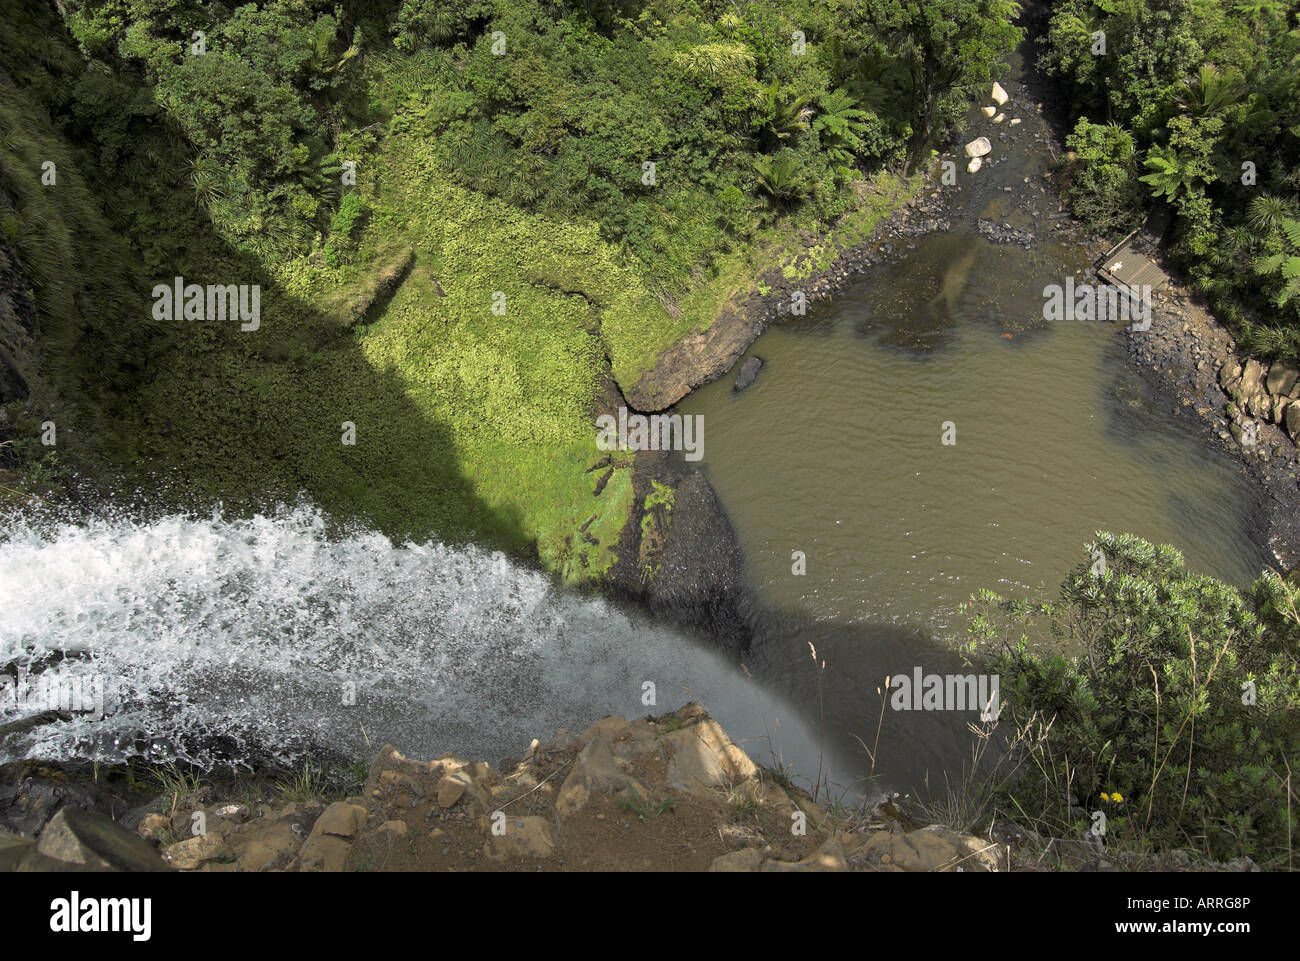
<point x="748" y="373"/>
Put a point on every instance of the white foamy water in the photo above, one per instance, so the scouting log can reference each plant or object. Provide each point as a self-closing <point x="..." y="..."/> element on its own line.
<point x="216" y="639"/>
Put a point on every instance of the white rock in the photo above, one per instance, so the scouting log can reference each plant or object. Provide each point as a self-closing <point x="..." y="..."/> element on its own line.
<point x="1014" y="120"/>
<point x="999" y="95"/>
<point x="974" y="165"/>
<point x="989" y="111"/>
<point x="979" y="147"/>
<point x="999" y="118"/>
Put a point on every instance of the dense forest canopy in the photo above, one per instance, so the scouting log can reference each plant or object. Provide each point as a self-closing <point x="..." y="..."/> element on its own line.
<point x="1196" y="103"/>
<point x="744" y="109"/>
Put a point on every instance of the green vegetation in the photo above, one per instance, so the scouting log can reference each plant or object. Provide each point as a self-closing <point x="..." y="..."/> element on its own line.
<point x="1178" y="718"/>
<point x="463" y="217"/>
<point x="304" y="785"/>
<point x="1197" y="103"/>
<point x="644" y="808"/>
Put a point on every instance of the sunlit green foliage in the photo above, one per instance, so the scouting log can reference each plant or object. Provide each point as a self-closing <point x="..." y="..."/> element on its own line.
<point x="1183" y="698"/>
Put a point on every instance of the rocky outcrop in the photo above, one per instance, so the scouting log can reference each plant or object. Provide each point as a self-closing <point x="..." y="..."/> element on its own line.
<point x="658" y="793"/>
<point x="703" y="356"/>
<point x="78" y="840"/>
<point x="679" y="557"/>
<point x="1270" y="394"/>
<point x="699" y="357"/>
<point x="671" y="792"/>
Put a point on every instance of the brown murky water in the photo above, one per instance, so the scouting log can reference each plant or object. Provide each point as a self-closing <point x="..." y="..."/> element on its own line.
<point x="836" y="452"/>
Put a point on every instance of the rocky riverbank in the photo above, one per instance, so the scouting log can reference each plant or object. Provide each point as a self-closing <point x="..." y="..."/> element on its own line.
<point x="1239" y="406"/>
<point x="657" y="793"/>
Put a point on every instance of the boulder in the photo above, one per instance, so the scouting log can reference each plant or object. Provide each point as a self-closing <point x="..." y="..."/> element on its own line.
<point x="82" y="841"/>
<point x="974" y="165"/>
<point x="341" y="819"/>
<point x="450" y="789"/>
<point x="525" y="837"/>
<point x="1291" y="420"/>
<point x="979" y="147"/>
<point x="327" y="847"/>
<point x="1252" y="377"/>
<point x="190" y="854"/>
<point x="595" y="769"/>
<point x="1250" y="392"/>
<point x="933" y="848"/>
<point x="988" y="111"/>
<point x="1281" y="381"/>
<point x="998" y="96"/>
<point x="1229" y="377"/>
<point x="746" y="859"/>
<point x="702" y="757"/>
<point x="827" y="858"/>
<point x="323" y="852"/>
<point x="12" y="849"/>
<point x="272" y="847"/>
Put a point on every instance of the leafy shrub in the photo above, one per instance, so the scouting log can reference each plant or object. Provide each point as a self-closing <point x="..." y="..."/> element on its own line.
<point x="1102" y="188"/>
<point x="1183" y="698"/>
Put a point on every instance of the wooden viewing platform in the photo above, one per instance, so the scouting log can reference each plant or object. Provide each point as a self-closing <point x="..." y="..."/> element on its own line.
<point x="1123" y="265"/>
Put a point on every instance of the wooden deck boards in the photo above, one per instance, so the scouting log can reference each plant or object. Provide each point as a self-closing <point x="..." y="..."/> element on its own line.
<point x="1127" y="268"/>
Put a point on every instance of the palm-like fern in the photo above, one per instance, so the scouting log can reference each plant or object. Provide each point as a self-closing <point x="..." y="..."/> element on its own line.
<point x="1267" y="211"/>
<point x="1213" y="91"/>
<point x="1285" y="263"/>
<point x="780" y="179"/>
<point x="784" y="118"/>
<point x="841" y="125"/>
<point x="1168" y="174"/>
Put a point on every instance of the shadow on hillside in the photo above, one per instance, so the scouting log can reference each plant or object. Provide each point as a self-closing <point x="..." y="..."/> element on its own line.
<point x="211" y="415"/>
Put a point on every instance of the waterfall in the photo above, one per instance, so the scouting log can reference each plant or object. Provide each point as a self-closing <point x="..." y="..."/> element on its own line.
<point x="277" y="637"/>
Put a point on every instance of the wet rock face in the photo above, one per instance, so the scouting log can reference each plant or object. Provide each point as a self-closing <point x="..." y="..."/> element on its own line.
<point x="17" y="328"/>
<point x="697" y="583"/>
<point x="77" y="840"/>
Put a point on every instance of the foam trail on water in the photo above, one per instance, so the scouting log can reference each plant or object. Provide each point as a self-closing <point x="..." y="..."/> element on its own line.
<point x="215" y="639"/>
